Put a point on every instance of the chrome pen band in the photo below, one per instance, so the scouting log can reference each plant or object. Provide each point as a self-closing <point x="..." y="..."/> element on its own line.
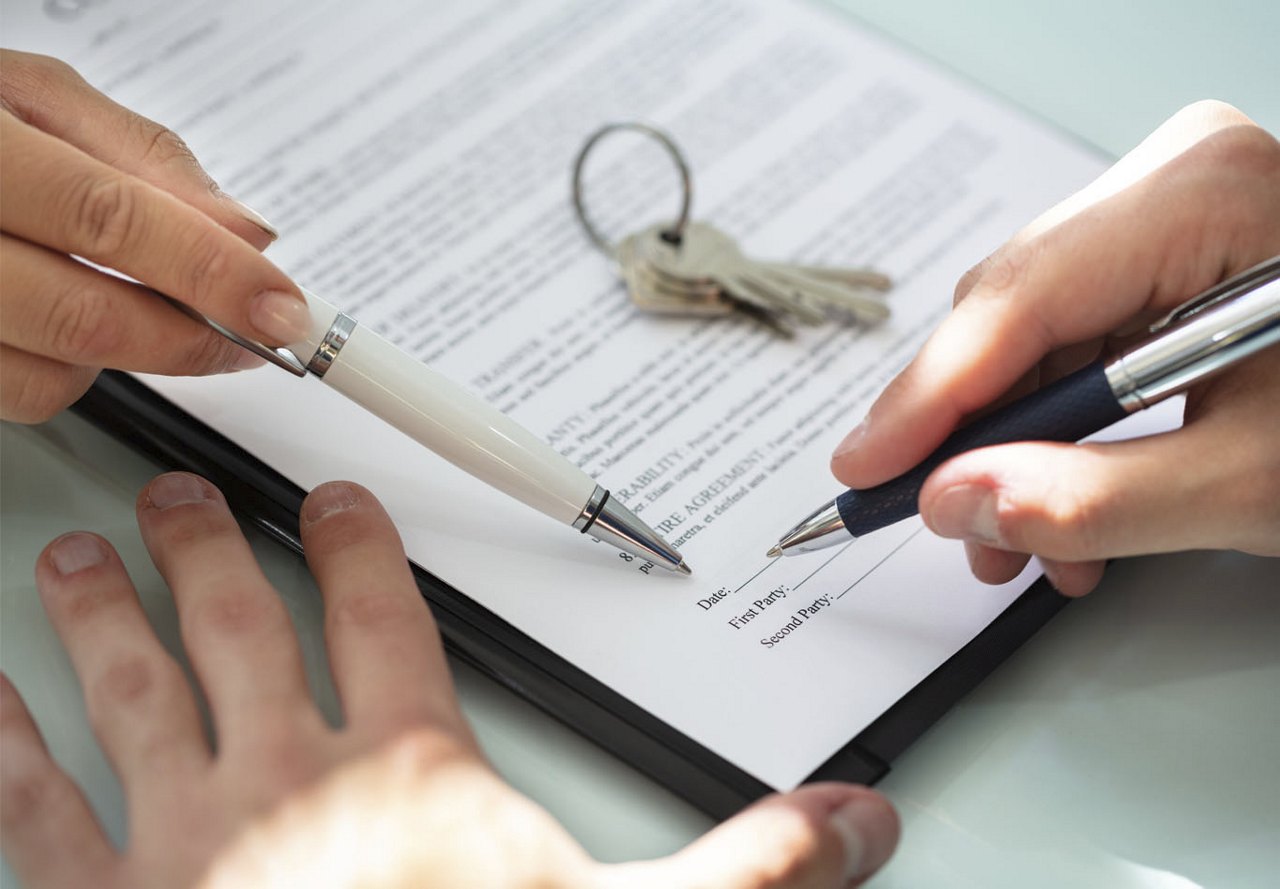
<point x="337" y="336"/>
<point x="608" y="521"/>
<point x="591" y="509"/>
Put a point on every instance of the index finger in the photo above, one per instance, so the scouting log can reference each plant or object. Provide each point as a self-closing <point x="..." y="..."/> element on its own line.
<point x="52" y="97"/>
<point x="387" y="659"/>
<point x="1139" y="252"/>
<point x="60" y="197"/>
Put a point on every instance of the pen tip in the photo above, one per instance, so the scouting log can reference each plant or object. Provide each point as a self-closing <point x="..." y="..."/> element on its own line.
<point x="684" y="569"/>
<point x="774" y="552"/>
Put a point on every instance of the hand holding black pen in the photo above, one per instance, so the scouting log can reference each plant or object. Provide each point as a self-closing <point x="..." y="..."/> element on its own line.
<point x="1195" y="203"/>
<point x="1227" y="324"/>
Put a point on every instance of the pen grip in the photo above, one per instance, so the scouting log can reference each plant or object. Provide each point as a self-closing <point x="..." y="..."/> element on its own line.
<point x="1067" y="410"/>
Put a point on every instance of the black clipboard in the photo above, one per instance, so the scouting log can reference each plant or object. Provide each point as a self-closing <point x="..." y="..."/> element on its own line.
<point x="128" y="410"/>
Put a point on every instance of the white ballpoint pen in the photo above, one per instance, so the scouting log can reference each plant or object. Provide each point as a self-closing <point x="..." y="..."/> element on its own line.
<point x="459" y="426"/>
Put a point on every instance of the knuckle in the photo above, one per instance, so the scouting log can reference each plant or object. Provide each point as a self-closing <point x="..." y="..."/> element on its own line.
<point x="1209" y="113"/>
<point x="30" y="794"/>
<point x="209" y="353"/>
<point x="30" y="85"/>
<point x="968" y="280"/>
<point x="38" y="395"/>
<point x="340" y="533"/>
<point x="1067" y="523"/>
<point x="83" y="325"/>
<point x="1248" y="151"/>
<point x="374" y="610"/>
<point x="1005" y="271"/>
<point x="47" y="68"/>
<point x="417" y="752"/>
<point x="163" y="145"/>
<point x="103" y="216"/>
<point x="83" y="606"/>
<point x="128" y="685"/>
<point x="204" y="264"/>
<point x="238" y="612"/>
<point x="275" y="752"/>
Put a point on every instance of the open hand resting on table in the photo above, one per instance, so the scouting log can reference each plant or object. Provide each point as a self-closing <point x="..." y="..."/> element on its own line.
<point x="399" y="796"/>
<point x="1196" y="202"/>
<point x="82" y="176"/>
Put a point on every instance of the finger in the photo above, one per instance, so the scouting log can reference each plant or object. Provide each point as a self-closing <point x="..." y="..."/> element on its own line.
<point x="62" y="309"/>
<point x="1074" y="578"/>
<point x="138" y="701"/>
<point x="1076" y="503"/>
<point x="994" y="566"/>
<point x="234" y="626"/>
<point x="58" y="196"/>
<point x="1176" y="135"/>
<point x="42" y="812"/>
<point x="1079" y="280"/>
<point x="997" y="566"/>
<point x="34" y="388"/>
<point x="51" y="96"/>
<point x="818" y="836"/>
<point x="387" y="660"/>
<point x="1180" y="133"/>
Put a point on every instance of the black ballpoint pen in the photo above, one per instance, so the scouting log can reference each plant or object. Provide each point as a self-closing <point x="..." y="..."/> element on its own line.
<point x="1222" y="326"/>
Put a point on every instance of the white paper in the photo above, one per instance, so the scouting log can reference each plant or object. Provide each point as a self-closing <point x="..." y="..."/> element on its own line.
<point x="417" y="163"/>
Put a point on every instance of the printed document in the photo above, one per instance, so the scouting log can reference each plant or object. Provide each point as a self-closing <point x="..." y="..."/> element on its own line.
<point x="416" y="160"/>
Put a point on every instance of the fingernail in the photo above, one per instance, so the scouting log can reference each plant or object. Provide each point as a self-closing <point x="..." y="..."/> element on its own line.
<point x="968" y="512"/>
<point x="76" y="552"/>
<point x="253" y="216"/>
<point x="851" y="441"/>
<point x="868" y="832"/>
<point x="329" y="499"/>
<point x="282" y="316"/>
<point x="176" y="489"/>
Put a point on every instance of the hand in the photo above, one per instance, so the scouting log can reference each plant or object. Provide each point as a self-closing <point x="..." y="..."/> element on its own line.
<point x="400" y="796"/>
<point x="1196" y="202"/>
<point x="84" y="177"/>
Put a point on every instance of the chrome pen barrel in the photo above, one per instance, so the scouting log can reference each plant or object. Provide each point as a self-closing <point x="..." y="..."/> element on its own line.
<point x="1198" y="346"/>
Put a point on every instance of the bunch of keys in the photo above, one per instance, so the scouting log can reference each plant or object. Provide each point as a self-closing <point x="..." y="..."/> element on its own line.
<point x="692" y="268"/>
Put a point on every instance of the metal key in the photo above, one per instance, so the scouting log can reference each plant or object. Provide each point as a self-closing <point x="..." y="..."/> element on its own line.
<point x="649" y="290"/>
<point x="691" y="268"/>
<point x="830" y="294"/>
<point x="654" y="292"/>
<point x="707" y="258"/>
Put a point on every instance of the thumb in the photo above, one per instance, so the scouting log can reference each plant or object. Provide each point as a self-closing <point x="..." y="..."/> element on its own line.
<point x="1076" y="503"/>
<point x="822" y="836"/>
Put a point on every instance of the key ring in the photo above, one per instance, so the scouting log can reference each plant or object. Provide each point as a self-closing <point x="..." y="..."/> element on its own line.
<point x="673" y="234"/>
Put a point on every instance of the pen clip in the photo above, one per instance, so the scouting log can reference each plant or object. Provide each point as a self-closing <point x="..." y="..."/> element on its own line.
<point x="1227" y="290"/>
<point x="279" y="357"/>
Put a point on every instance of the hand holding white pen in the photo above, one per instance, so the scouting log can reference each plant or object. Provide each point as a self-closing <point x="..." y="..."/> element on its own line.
<point x="97" y="181"/>
<point x="468" y="432"/>
<point x="1196" y="202"/>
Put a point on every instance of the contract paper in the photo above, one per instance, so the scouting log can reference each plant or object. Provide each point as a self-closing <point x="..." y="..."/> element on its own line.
<point x="416" y="160"/>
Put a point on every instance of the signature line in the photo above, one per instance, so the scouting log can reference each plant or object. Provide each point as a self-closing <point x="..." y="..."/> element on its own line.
<point x="839" y="553"/>
<point x="881" y="562"/>
<point x="770" y="564"/>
